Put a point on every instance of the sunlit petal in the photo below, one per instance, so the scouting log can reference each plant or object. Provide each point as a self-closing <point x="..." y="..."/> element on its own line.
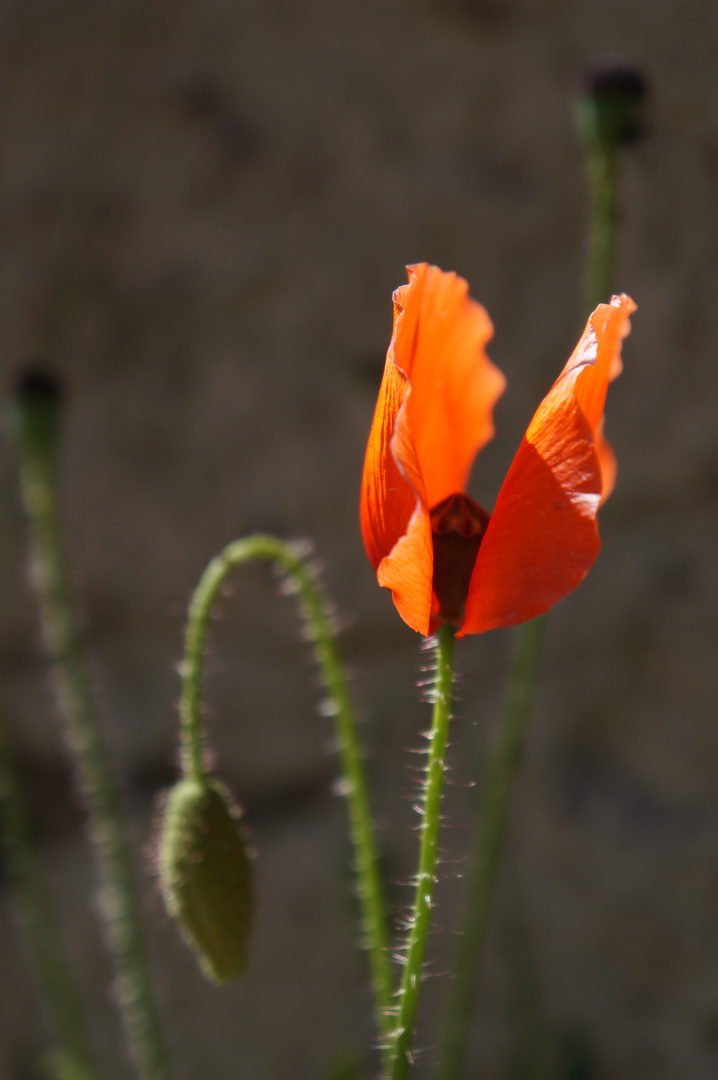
<point x="542" y="538"/>
<point x="440" y="343"/>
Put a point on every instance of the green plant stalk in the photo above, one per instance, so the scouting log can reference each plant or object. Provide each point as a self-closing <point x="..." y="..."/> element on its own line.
<point x="290" y="560"/>
<point x="398" y="1057"/>
<point x="535" y="1050"/>
<point x="601" y="168"/>
<point x="602" y="160"/>
<point x="121" y="905"/>
<point x="73" y="1044"/>
<point x="491" y="831"/>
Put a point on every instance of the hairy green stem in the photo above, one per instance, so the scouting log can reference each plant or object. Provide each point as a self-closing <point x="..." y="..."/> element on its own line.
<point x="73" y="1055"/>
<point x="121" y="907"/>
<point x="399" y="1057"/>
<point x="290" y="559"/>
<point x="491" y="830"/>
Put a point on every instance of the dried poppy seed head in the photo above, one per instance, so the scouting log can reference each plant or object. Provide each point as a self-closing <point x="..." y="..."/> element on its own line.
<point x="612" y="94"/>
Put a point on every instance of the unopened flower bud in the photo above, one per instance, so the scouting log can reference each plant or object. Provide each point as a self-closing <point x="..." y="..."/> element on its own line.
<point x="35" y="408"/>
<point x="206" y="877"/>
<point x="610" y="103"/>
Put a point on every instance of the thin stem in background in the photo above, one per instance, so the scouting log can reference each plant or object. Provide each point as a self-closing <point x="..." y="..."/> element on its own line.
<point x="601" y="167"/>
<point x="602" y="161"/>
<point x="73" y="1056"/>
<point x="535" y="1052"/>
<point x="121" y="905"/>
<point x="609" y="118"/>
<point x="399" y="1045"/>
<point x="486" y="856"/>
<point x="292" y="563"/>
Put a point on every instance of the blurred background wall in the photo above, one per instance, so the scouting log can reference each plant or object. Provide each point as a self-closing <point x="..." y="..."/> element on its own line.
<point x="204" y="209"/>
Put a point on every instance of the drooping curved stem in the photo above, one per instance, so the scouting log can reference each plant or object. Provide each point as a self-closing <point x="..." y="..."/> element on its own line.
<point x="398" y="1057"/>
<point x="290" y="559"/>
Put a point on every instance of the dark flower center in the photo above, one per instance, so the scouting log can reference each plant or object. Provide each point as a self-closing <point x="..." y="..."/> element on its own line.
<point x="458" y="525"/>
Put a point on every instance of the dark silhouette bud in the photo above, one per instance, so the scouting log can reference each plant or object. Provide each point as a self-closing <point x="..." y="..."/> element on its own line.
<point x="35" y="408"/>
<point x="206" y="877"/>
<point x="610" y="103"/>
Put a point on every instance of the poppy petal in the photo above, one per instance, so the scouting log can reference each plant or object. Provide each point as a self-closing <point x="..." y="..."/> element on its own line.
<point x="439" y="341"/>
<point x="408" y="572"/>
<point x="433" y="414"/>
<point x="607" y="462"/>
<point x="395" y="519"/>
<point x="542" y="538"/>
<point x="597" y="357"/>
<point x="387" y="500"/>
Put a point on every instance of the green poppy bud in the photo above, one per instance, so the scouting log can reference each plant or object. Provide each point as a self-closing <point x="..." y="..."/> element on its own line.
<point x="206" y="877"/>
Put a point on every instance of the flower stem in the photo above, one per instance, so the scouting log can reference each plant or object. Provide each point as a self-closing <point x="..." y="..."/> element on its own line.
<point x="491" y="830"/>
<point x="290" y="559"/>
<point x="601" y="160"/>
<point x="73" y="1052"/>
<point x="399" y="1047"/>
<point x="121" y="905"/>
<point x="601" y="166"/>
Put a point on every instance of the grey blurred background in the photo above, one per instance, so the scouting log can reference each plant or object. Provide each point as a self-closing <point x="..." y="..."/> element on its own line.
<point x="204" y="209"/>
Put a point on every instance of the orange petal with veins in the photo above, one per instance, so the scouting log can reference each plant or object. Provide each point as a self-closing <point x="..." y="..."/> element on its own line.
<point x="542" y="538"/>
<point x="387" y="499"/>
<point x="439" y="341"/>
<point x="433" y="414"/>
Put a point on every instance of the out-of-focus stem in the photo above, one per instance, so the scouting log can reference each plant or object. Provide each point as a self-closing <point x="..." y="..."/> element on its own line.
<point x="73" y="1044"/>
<point x="121" y="905"/>
<point x="609" y="118"/>
<point x="289" y="559"/>
<point x="399" y="1045"/>
<point x="601" y="160"/>
<point x="601" y="167"/>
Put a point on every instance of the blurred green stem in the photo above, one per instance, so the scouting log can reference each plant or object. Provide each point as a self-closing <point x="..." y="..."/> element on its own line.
<point x="601" y="168"/>
<point x="121" y="905"/>
<point x="73" y="1053"/>
<point x="534" y="1053"/>
<point x="289" y="559"/>
<point x="498" y="783"/>
<point x="399" y="1047"/>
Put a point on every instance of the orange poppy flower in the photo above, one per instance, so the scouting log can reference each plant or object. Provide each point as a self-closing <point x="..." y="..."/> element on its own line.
<point x="445" y="559"/>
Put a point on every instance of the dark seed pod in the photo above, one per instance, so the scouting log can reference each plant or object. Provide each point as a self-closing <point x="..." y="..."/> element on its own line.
<point x="34" y="409"/>
<point x="206" y="876"/>
<point x="611" y="101"/>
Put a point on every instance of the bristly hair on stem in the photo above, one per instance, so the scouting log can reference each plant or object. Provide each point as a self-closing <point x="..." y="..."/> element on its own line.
<point x="398" y="1053"/>
<point x="34" y="421"/>
<point x="300" y="578"/>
